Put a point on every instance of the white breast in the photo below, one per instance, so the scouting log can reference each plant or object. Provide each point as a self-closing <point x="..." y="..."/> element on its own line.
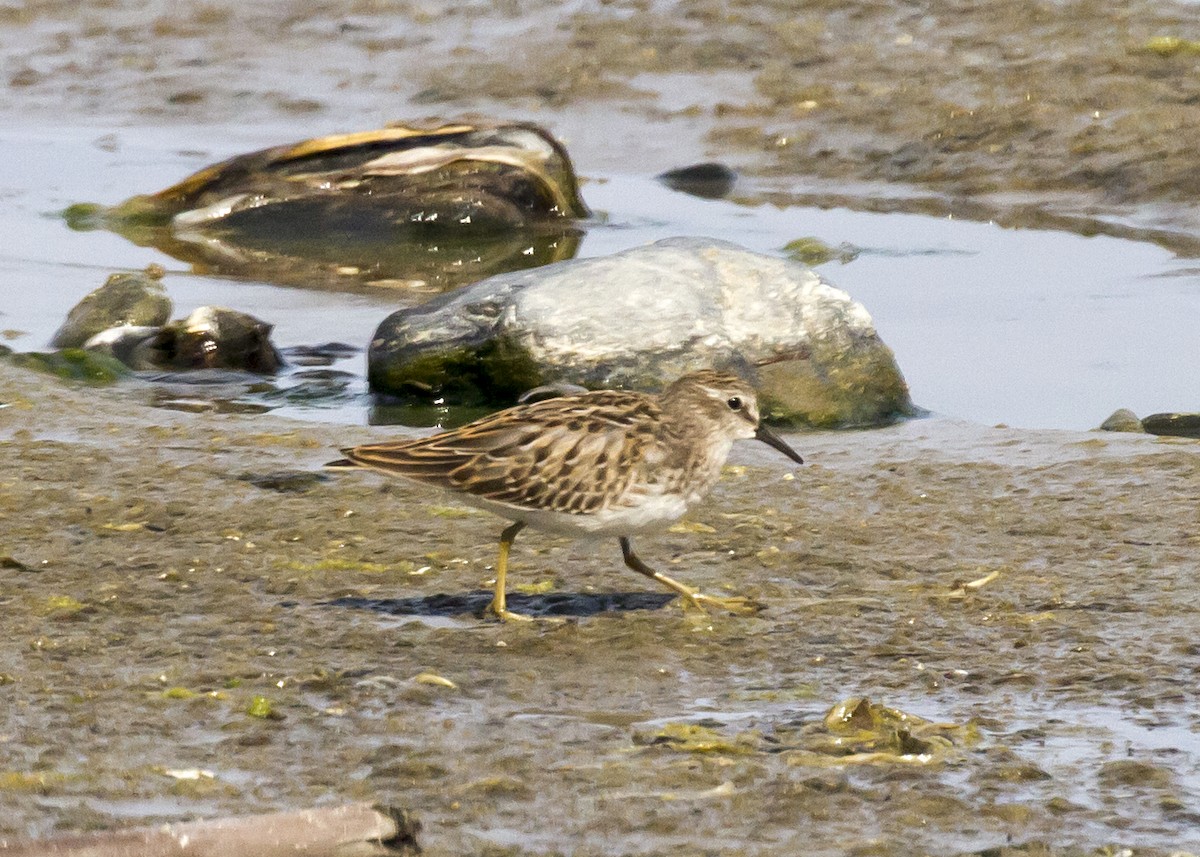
<point x="650" y="512"/>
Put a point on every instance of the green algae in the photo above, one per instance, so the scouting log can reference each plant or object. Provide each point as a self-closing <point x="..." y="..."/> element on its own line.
<point x="1169" y="46"/>
<point x="30" y="781"/>
<point x="813" y="252"/>
<point x="262" y="708"/>
<point x="62" y="605"/>
<point x="696" y="738"/>
<point x="73" y="364"/>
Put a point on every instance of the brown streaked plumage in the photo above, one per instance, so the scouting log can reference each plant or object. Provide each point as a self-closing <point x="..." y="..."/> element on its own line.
<point x="605" y="463"/>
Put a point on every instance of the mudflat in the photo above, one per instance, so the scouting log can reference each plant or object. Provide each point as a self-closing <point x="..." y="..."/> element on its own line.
<point x="197" y="625"/>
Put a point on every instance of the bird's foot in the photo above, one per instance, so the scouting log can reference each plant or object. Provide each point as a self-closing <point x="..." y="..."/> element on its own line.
<point x="506" y="615"/>
<point x="735" y="604"/>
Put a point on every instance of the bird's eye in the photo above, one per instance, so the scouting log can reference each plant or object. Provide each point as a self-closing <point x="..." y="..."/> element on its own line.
<point x="735" y="403"/>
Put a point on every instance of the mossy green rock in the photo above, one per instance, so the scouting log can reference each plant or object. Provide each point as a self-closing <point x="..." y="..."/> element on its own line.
<point x="134" y="298"/>
<point x="497" y="371"/>
<point x="639" y="319"/>
<point x="1123" y="419"/>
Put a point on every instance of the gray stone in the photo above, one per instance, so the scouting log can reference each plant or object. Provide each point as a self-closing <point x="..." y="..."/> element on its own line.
<point x="640" y="318"/>
<point x="136" y="299"/>
<point x="707" y="180"/>
<point x="1123" y="419"/>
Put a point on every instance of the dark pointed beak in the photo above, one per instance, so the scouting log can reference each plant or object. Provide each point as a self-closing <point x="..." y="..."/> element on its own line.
<point x="771" y="439"/>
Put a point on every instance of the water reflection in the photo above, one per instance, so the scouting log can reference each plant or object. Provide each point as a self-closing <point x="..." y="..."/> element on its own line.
<point x="417" y="208"/>
<point x="412" y="263"/>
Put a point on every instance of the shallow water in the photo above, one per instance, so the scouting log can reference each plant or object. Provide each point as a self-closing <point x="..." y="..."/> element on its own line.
<point x="1031" y="328"/>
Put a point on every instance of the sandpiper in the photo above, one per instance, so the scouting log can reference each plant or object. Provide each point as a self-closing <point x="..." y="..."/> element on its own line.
<point x="595" y="464"/>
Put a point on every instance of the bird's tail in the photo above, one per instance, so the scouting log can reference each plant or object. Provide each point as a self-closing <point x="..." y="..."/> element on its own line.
<point x="341" y="463"/>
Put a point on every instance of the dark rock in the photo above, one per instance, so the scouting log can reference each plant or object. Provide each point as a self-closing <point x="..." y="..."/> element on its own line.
<point x="708" y="181"/>
<point x="432" y="207"/>
<point x="211" y="338"/>
<point x="1173" y="425"/>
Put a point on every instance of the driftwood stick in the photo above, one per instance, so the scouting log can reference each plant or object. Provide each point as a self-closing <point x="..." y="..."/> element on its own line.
<point x="355" y="830"/>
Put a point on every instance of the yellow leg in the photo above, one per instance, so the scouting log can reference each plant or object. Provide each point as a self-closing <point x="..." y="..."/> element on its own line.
<point x="693" y="597"/>
<point x="499" y="605"/>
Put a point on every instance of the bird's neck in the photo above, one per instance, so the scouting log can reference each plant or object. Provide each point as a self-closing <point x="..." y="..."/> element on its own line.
<point x="695" y="455"/>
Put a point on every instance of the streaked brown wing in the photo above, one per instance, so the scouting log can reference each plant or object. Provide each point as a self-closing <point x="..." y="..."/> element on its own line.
<point x="572" y="454"/>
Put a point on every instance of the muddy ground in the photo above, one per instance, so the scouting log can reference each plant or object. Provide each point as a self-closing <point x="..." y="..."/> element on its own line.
<point x="152" y="593"/>
<point x="179" y="642"/>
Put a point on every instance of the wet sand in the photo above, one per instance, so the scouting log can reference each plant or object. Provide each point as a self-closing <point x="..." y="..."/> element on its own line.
<point x="152" y="592"/>
<point x="182" y="643"/>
